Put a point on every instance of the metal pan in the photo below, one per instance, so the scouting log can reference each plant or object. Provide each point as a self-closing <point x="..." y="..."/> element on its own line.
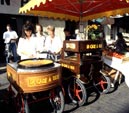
<point x="35" y="63"/>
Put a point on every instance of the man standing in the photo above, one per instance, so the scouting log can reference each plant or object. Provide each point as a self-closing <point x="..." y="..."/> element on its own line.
<point x="120" y="43"/>
<point x="10" y="36"/>
<point x="68" y="35"/>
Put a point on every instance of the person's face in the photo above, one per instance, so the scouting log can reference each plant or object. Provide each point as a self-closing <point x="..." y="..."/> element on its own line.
<point x="8" y="28"/>
<point x="38" y="28"/>
<point x="50" y="32"/>
<point x="66" y="33"/>
<point x="28" y="33"/>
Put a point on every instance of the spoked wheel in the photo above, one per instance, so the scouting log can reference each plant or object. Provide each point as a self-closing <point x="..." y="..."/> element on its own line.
<point x="102" y="83"/>
<point x="57" y="99"/>
<point x="77" y="92"/>
<point x="21" y="104"/>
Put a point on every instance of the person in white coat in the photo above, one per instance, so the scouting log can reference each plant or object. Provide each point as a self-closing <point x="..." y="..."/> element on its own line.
<point x="10" y="38"/>
<point x="53" y="43"/>
<point x="40" y="38"/>
<point x="27" y="43"/>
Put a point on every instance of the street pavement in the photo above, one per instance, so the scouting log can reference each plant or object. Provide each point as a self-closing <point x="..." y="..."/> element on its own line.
<point x="114" y="102"/>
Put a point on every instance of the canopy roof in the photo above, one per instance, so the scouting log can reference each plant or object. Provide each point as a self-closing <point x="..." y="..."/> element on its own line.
<point x="75" y="9"/>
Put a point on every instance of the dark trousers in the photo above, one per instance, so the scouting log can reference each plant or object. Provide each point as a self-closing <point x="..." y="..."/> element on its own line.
<point x="11" y="48"/>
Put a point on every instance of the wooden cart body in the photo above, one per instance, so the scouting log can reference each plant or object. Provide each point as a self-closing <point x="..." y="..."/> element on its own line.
<point x="34" y="80"/>
<point x="86" y="52"/>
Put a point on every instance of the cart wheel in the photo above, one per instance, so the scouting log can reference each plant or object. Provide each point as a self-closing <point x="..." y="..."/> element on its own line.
<point x="57" y="100"/>
<point x="102" y="83"/>
<point x="21" y="104"/>
<point x="77" y="92"/>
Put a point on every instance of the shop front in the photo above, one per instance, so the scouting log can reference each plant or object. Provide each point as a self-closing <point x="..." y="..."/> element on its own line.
<point x="9" y="15"/>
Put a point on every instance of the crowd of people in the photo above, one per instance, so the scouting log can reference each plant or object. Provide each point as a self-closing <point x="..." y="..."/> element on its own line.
<point x="31" y="44"/>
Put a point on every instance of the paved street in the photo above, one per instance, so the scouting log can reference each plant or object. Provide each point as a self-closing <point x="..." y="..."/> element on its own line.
<point x="115" y="102"/>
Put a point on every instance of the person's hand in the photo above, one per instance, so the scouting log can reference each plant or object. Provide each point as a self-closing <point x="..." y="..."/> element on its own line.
<point x="32" y="56"/>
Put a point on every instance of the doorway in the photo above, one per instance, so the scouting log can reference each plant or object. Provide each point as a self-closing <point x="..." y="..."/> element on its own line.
<point x="16" y="22"/>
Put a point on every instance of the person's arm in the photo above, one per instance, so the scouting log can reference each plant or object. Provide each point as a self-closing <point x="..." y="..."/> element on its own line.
<point x="4" y="35"/>
<point x="21" y="49"/>
<point x="20" y="46"/>
<point x="59" y="46"/>
<point x="6" y="38"/>
<point x="47" y="44"/>
<point x="15" y="37"/>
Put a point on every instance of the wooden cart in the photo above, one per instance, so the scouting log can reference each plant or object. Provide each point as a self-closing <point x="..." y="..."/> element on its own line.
<point x="30" y="80"/>
<point x="81" y="64"/>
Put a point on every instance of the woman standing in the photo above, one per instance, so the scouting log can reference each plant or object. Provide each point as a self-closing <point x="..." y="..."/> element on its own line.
<point x="40" y="38"/>
<point x="53" y="43"/>
<point x="27" y="43"/>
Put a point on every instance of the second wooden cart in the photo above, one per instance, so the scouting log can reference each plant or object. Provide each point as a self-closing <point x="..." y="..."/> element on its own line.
<point x="81" y="64"/>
